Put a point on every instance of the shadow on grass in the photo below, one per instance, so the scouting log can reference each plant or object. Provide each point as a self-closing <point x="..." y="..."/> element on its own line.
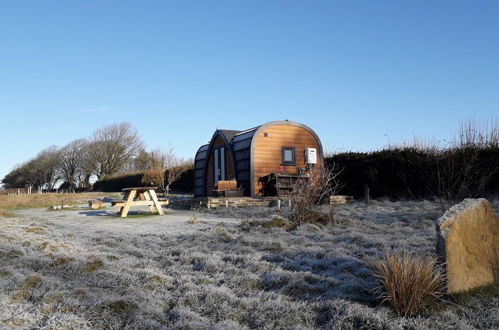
<point x="487" y="291"/>
<point x="114" y="214"/>
<point x="98" y="213"/>
<point x="322" y="277"/>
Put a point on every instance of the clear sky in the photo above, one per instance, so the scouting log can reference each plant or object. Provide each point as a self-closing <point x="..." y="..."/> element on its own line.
<point x="359" y="73"/>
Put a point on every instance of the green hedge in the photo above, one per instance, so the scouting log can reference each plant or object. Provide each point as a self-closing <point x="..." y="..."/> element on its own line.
<point x="184" y="184"/>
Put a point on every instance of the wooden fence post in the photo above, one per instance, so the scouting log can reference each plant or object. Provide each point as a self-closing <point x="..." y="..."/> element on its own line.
<point x="366" y="194"/>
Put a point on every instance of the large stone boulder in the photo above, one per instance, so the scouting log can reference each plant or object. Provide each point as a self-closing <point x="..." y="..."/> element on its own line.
<point x="468" y="244"/>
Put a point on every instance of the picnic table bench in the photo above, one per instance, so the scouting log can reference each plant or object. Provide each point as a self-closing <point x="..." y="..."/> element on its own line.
<point x="139" y="196"/>
<point x="227" y="188"/>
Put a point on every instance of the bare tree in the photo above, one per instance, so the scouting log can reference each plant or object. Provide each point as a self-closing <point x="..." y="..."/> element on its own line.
<point x="72" y="162"/>
<point x="167" y="167"/>
<point x="88" y="164"/>
<point x="112" y="146"/>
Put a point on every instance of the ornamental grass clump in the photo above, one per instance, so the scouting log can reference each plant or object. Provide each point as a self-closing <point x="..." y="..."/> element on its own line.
<point x="408" y="282"/>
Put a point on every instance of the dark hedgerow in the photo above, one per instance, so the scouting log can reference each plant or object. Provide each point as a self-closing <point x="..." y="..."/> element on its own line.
<point x="421" y="173"/>
<point x="115" y="183"/>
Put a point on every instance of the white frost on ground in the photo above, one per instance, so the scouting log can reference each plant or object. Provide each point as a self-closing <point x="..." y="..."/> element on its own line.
<point x="89" y="269"/>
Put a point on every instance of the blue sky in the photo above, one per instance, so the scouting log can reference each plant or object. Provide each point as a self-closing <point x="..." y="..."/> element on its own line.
<point x="359" y="73"/>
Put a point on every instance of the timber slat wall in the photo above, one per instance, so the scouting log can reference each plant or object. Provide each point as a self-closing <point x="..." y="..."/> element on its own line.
<point x="214" y="202"/>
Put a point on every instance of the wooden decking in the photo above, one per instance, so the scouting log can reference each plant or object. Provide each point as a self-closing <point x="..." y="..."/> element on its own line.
<point x="214" y="202"/>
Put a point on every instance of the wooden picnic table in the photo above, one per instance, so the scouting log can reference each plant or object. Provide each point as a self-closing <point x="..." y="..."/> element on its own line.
<point x="139" y="196"/>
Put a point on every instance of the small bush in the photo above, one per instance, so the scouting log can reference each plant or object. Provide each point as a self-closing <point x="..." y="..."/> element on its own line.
<point x="277" y="223"/>
<point x="194" y="218"/>
<point x="308" y="193"/>
<point x="408" y="282"/>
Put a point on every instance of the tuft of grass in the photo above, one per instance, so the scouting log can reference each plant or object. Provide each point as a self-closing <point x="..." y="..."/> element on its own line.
<point x="408" y="282"/>
<point x="4" y="273"/>
<point x="193" y="219"/>
<point x="92" y="266"/>
<point x="53" y="298"/>
<point x="158" y="279"/>
<point x="277" y="223"/>
<point x="35" y="230"/>
<point x="61" y="261"/>
<point x="119" y="307"/>
<point x="79" y="292"/>
<point x="223" y="235"/>
<point x="12" y="254"/>
<point x="49" y="247"/>
<point x="274" y="247"/>
<point x="25" y="287"/>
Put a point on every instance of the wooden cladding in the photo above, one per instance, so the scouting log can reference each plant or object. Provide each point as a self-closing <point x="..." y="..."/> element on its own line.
<point x="268" y="150"/>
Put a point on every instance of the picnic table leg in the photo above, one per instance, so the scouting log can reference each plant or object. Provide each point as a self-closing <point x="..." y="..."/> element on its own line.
<point x="128" y="204"/>
<point x="156" y="202"/>
<point x="148" y="198"/>
<point x="125" y="196"/>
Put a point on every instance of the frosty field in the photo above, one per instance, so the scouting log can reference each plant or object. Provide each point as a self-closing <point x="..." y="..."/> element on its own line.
<point x="84" y="269"/>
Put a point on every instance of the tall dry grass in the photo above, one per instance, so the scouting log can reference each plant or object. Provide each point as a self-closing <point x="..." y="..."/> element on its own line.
<point x="12" y="202"/>
<point x="410" y="283"/>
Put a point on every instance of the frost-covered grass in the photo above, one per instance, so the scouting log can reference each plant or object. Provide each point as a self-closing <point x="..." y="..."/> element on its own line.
<point x="90" y="269"/>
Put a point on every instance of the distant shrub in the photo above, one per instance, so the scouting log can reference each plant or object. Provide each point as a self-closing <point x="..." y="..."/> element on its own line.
<point x="409" y="282"/>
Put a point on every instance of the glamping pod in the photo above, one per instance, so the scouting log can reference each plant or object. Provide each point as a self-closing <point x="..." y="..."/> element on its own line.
<point x="262" y="161"/>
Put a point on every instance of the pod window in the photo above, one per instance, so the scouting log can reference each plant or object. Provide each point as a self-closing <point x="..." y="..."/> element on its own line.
<point x="288" y="156"/>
